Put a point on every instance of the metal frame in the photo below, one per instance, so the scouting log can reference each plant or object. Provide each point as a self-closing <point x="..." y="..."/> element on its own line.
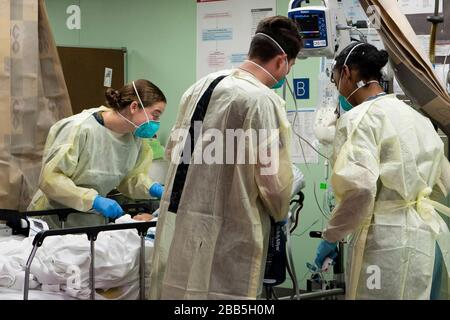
<point x="338" y="268"/>
<point x="15" y="217"/>
<point x="317" y="294"/>
<point x="92" y="233"/>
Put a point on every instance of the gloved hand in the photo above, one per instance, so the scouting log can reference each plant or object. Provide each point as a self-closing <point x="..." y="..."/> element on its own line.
<point x="156" y="190"/>
<point x="324" y="250"/>
<point x="107" y="207"/>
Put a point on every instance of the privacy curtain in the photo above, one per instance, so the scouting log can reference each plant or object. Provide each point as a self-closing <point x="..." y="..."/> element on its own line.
<point x="33" y="96"/>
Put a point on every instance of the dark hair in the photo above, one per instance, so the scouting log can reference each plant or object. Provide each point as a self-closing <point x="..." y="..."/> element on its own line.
<point x="366" y="58"/>
<point x="281" y="29"/>
<point x="149" y="93"/>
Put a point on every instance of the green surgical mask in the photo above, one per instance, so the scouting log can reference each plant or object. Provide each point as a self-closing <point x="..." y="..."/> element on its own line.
<point x="147" y="129"/>
<point x="344" y="104"/>
<point x="279" y="84"/>
<point x="343" y="101"/>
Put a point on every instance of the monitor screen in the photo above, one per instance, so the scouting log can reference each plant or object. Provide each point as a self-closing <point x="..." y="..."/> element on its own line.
<point x="309" y="26"/>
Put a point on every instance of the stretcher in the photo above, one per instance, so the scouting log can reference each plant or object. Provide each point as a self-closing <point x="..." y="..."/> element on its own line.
<point x="19" y="222"/>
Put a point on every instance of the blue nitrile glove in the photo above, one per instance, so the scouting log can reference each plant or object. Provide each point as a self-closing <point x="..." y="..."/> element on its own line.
<point x="107" y="207"/>
<point x="324" y="250"/>
<point x="156" y="190"/>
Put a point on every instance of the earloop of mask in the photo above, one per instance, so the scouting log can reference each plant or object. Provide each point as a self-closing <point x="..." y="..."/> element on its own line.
<point x="140" y="101"/>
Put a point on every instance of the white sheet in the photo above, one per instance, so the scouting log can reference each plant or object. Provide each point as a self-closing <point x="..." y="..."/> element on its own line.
<point x="120" y="293"/>
<point x="63" y="263"/>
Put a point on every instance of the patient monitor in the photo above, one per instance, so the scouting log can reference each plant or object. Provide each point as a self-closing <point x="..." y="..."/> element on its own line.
<point x="317" y="26"/>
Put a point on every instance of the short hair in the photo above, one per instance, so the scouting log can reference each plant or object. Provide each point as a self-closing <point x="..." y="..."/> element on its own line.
<point x="281" y="29"/>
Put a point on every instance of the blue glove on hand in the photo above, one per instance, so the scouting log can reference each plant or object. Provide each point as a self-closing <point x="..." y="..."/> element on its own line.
<point x="324" y="250"/>
<point x="107" y="207"/>
<point x="156" y="190"/>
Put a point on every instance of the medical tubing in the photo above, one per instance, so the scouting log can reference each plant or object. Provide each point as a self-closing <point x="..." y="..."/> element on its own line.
<point x="301" y="147"/>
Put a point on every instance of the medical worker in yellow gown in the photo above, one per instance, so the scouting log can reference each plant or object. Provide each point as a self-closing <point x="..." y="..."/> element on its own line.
<point x="212" y="235"/>
<point x="89" y="154"/>
<point x="388" y="164"/>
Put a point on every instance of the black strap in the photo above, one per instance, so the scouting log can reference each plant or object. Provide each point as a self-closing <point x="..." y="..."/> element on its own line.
<point x="99" y="117"/>
<point x="182" y="169"/>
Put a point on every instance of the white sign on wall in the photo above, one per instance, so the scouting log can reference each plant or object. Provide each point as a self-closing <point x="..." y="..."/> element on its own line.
<point x="107" y="79"/>
<point x="224" y="31"/>
<point x="418" y="6"/>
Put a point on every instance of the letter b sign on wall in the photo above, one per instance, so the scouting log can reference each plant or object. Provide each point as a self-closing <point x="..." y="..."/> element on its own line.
<point x="301" y="88"/>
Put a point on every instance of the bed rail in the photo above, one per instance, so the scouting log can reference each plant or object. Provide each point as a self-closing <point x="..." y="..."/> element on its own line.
<point x="92" y="233"/>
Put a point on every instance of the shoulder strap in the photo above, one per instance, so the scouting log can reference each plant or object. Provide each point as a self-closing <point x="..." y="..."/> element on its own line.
<point x="199" y="114"/>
